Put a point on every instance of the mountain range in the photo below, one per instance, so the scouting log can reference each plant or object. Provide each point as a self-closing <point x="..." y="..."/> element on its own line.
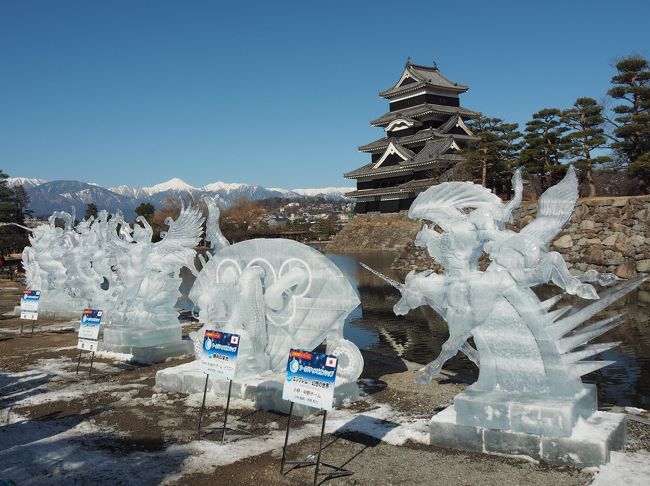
<point x="46" y="197"/>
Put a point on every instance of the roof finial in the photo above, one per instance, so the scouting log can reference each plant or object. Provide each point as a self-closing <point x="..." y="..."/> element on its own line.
<point x="408" y="61"/>
<point x="435" y="65"/>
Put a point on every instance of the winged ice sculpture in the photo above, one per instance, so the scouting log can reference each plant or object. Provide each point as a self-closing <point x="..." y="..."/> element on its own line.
<point x="522" y="345"/>
<point x="147" y="276"/>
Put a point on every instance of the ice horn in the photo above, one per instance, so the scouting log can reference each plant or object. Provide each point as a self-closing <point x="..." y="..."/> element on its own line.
<point x="394" y="283"/>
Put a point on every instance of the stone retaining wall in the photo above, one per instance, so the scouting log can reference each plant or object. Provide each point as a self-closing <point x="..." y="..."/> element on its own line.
<point x="375" y="232"/>
<point x="606" y="234"/>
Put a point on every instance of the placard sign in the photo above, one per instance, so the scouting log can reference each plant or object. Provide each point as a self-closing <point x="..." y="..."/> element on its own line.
<point x="89" y="329"/>
<point x="219" y="353"/>
<point x="29" y="304"/>
<point x="310" y="379"/>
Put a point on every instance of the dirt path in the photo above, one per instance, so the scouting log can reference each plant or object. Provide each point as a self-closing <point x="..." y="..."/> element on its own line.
<point x="115" y="427"/>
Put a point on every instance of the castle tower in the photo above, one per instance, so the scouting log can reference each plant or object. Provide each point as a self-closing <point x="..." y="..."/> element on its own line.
<point x="424" y="134"/>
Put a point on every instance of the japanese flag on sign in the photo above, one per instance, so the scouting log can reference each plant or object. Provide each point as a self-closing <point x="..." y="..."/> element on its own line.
<point x="331" y="362"/>
<point x="234" y="339"/>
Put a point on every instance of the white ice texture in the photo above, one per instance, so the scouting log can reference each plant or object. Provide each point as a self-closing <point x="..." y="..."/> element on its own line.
<point x="277" y="294"/>
<point x="104" y="263"/>
<point x="531" y="355"/>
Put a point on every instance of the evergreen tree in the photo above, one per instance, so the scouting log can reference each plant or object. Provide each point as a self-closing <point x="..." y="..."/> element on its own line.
<point x="632" y="121"/>
<point x="12" y="238"/>
<point x="544" y="146"/>
<point x="91" y="210"/>
<point x="492" y="156"/>
<point x="585" y="122"/>
<point x="146" y="210"/>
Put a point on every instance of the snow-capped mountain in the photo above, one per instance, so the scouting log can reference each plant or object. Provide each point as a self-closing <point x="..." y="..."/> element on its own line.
<point x="24" y="181"/>
<point x="62" y="195"/>
<point x="333" y="192"/>
<point x="47" y="197"/>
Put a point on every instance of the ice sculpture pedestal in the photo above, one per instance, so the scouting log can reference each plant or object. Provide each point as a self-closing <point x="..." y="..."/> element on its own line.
<point x="264" y="390"/>
<point x="146" y="346"/>
<point x="589" y="444"/>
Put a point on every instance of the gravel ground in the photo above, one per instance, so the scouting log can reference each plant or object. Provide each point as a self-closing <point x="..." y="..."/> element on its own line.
<point x="136" y="426"/>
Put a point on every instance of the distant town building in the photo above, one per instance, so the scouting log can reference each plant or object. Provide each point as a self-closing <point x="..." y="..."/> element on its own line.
<point x="425" y="132"/>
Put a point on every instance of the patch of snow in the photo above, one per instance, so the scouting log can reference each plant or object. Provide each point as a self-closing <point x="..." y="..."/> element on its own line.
<point x="635" y="410"/>
<point x="630" y="469"/>
<point x="174" y="184"/>
<point x="24" y="181"/>
<point x="328" y="191"/>
<point x="224" y="186"/>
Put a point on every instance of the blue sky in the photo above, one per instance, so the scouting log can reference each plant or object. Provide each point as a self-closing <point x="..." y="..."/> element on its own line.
<point x="273" y="93"/>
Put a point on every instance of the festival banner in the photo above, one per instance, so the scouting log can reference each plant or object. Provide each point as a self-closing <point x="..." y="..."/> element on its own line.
<point x="219" y="353"/>
<point x="29" y="304"/>
<point x="310" y="379"/>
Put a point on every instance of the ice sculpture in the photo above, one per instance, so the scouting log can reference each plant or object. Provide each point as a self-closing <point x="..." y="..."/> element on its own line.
<point x="45" y="270"/>
<point x="531" y="355"/>
<point x="276" y="294"/>
<point x="146" y="286"/>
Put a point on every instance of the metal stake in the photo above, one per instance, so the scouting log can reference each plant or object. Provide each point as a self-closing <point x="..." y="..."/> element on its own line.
<point x="286" y="440"/>
<point x="33" y="322"/>
<point x="79" y="361"/>
<point x="205" y="390"/>
<point x="225" y="420"/>
<point x="92" y="357"/>
<point x="21" y="327"/>
<point x="320" y="448"/>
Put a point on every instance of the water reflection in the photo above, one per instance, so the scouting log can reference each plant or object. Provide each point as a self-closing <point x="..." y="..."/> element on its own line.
<point x="419" y="335"/>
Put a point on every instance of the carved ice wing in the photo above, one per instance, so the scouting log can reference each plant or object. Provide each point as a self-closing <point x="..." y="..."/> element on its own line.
<point x="177" y="246"/>
<point x="212" y="230"/>
<point x="441" y="203"/>
<point x="554" y="209"/>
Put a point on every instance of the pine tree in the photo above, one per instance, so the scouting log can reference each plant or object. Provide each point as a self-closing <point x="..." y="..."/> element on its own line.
<point x="492" y="156"/>
<point x="91" y="210"/>
<point x="632" y="121"/>
<point x="12" y="238"/>
<point x="585" y="122"/>
<point x="544" y="146"/>
<point x="146" y="210"/>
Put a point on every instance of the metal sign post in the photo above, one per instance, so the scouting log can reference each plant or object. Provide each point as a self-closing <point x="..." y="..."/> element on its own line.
<point x="338" y="472"/>
<point x="219" y="356"/>
<point x="91" y="319"/>
<point x="225" y="427"/>
<point x="310" y="381"/>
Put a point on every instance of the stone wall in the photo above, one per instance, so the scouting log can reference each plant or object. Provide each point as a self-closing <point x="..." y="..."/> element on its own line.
<point x="608" y="234"/>
<point x="375" y="232"/>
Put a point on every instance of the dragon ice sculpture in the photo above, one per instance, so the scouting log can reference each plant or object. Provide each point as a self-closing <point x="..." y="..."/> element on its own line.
<point x="277" y="294"/>
<point x="527" y="352"/>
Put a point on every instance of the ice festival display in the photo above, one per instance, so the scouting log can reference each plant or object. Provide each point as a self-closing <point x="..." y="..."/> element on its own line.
<point x="104" y="263"/>
<point x="276" y="294"/>
<point x="529" y="398"/>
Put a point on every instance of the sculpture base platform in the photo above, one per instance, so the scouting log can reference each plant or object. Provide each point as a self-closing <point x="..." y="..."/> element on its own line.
<point x="589" y="444"/>
<point x="265" y="390"/>
<point x="149" y="354"/>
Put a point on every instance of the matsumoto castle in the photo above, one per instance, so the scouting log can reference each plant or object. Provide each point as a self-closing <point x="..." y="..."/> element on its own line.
<point x="424" y="135"/>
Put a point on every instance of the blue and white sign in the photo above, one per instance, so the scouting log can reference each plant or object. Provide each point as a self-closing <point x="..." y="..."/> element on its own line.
<point x="310" y="379"/>
<point x="219" y="353"/>
<point x="90" y="322"/>
<point x="29" y="304"/>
